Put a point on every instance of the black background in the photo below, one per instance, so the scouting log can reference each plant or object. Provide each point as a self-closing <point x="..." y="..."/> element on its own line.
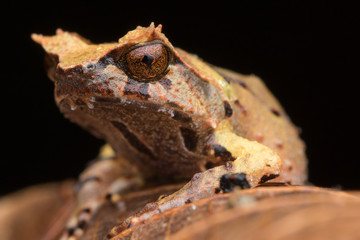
<point x="302" y="51"/>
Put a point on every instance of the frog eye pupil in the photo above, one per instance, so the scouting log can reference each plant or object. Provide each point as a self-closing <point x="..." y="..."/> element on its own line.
<point x="147" y="62"/>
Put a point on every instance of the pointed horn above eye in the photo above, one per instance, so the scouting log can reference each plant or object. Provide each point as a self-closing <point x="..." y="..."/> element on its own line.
<point x="71" y="48"/>
<point x="61" y="43"/>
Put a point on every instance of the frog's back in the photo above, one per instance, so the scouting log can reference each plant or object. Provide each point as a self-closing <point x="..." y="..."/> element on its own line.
<point x="257" y="115"/>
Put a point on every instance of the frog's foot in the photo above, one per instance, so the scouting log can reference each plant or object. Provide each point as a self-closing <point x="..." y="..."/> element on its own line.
<point x="105" y="180"/>
<point x="254" y="164"/>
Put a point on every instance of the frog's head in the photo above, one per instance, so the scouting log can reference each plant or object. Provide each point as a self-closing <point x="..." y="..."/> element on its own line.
<point x="155" y="104"/>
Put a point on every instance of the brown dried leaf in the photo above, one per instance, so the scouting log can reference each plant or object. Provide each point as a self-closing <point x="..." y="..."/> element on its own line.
<point x="273" y="212"/>
<point x="37" y="212"/>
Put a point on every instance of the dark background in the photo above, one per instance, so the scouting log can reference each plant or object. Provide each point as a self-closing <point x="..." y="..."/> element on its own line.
<point x="302" y="51"/>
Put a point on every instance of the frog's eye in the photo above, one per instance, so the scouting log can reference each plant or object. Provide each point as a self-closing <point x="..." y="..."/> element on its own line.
<point x="147" y="62"/>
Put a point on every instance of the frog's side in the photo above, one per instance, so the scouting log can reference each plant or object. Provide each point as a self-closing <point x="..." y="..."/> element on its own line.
<point x="171" y="115"/>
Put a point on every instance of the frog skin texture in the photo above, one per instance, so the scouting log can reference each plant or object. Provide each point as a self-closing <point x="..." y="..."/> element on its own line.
<point x="168" y="116"/>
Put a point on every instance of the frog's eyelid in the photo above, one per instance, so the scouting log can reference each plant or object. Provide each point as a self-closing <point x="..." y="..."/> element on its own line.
<point x="129" y="48"/>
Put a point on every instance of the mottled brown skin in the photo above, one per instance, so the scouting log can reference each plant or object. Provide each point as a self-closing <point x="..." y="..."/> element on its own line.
<point x="170" y="115"/>
<point x="257" y="115"/>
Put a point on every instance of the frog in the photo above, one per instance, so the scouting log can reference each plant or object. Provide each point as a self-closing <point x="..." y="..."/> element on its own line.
<point x="167" y="116"/>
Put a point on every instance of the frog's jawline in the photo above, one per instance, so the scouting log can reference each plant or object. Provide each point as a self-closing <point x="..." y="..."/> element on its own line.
<point x="161" y="139"/>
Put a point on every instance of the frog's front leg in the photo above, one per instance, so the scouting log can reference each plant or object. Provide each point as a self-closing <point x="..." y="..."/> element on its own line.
<point x="252" y="159"/>
<point x="104" y="180"/>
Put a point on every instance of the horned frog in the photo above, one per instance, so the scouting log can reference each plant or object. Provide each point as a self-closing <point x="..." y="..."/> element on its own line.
<point x="166" y="115"/>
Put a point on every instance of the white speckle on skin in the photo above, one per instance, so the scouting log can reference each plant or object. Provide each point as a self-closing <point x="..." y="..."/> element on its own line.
<point x="73" y="107"/>
<point x="161" y="110"/>
<point x="90" y="106"/>
<point x="171" y="112"/>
